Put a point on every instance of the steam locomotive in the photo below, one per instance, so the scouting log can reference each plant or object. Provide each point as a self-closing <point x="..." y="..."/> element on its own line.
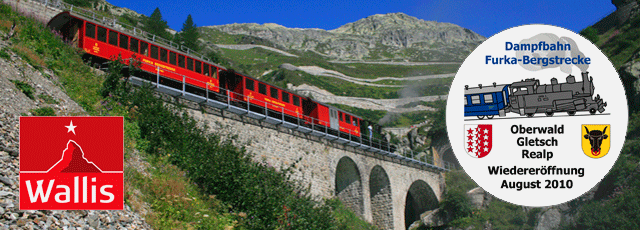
<point x="528" y="97"/>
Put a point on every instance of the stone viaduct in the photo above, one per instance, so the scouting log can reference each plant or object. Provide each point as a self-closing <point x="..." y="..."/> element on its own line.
<point x="385" y="191"/>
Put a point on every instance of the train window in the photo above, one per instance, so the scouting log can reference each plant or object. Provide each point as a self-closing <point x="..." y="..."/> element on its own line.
<point x="341" y="117"/>
<point x="214" y="72"/>
<point x="134" y="45"/>
<point x="465" y="100"/>
<point x="296" y="100"/>
<point x="190" y="64"/>
<point x="274" y="93"/>
<point x="90" y="31"/>
<point x="249" y="84"/>
<point x="347" y="118"/>
<point x="144" y="48"/>
<point x="488" y="98"/>
<point x="113" y="37"/>
<point x="124" y="41"/>
<point x="262" y="88"/>
<point x="198" y="66"/>
<point x="163" y="55"/>
<point x="355" y="121"/>
<point x="154" y="52"/>
<point x="181" y="61"/>
<point x="205" y="70"/>
<point x="285" y="96"/>
<point x="102" y="34"/>
<point x="475" y="99"/>
<point x="172" y="58"/>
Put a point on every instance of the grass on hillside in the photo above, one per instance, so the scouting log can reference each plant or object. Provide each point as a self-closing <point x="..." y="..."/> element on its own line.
<point x="621" y="42"/>
<point x="257" y="60"/>
<point x="173" y="197"/>
<point x="335" y="86"/>
<point x="390" y="119"/>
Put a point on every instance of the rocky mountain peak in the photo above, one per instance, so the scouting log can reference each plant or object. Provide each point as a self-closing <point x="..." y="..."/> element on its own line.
<point x="381" y="22"/>
<point x="393" y="36"/>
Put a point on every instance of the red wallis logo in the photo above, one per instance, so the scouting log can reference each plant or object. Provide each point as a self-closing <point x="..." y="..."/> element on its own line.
<point x="71" y="163"/>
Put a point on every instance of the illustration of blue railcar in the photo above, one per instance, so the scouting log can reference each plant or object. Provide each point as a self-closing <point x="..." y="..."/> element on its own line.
<point x="486" y="101"/>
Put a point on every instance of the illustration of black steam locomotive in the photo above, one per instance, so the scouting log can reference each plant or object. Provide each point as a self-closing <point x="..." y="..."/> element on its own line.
<point x="528" y="97"/>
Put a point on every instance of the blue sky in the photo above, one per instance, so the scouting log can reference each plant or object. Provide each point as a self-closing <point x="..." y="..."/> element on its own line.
<point x="483" y="17"/>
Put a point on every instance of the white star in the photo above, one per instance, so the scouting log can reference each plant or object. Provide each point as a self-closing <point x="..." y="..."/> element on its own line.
<point x="486" y="149"/>
<point x="486" y="131"/>
<point x="486" y="143"/>
<point x="486" y="137"/>
<point x="71" y="128"/>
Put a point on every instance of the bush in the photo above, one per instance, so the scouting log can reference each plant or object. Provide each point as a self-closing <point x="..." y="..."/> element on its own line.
<point x="455" y="205"/>
<point x="4" y="54"/>
<point x="24" y="87"/>
<point x="591" y="34"/>
<point x="44" y="111"/>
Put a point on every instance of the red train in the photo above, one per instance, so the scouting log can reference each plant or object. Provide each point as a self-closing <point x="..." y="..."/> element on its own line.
<point x="181" y="72"/>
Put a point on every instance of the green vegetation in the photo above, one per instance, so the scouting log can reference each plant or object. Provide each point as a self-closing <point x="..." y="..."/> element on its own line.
<point x="154" y="24"/>
<point x="44" y="111"/>
<point x="189" y="35"/>
<point x="345" y="218"/>
<point x="391" y="119"/>
<point x="4" y="54"/>
<point x="177" y="204"/>
<point x="616" y="201"/>
<point x="367" y="114"/>
<point x="221" y="187"/>
<point x="130" y="19"/>
<point x="336" y="86"/>
<point x="621" y="42"/>
<point x="591" y="34"/>
<point x="47" y="99"/>
<point x="370" y="71"/>
<point x="500" y="214"/>
<point x="77" y="78"/>
<point x="82" y="3"/>
<point x="24" y="88"/>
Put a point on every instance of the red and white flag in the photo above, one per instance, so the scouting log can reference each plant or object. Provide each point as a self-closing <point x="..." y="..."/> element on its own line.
<point x="477" y="140"/>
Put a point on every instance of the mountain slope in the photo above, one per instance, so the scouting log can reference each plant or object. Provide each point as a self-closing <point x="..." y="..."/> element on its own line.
<point x="394" y="36"/>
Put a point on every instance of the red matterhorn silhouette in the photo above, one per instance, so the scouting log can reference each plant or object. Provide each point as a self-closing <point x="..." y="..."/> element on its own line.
<point x="73" y="161"/>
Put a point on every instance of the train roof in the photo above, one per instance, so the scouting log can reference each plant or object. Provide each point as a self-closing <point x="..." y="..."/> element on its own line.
<point x="485" y="89"/>
<point x="62" y="17"/>
<point x="526" y="82"/>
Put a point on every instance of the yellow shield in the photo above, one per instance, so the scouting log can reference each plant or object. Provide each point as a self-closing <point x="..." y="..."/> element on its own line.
<point x="596" y="140"/>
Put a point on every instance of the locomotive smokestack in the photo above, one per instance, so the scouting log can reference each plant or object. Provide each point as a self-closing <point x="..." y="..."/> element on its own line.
<point x="586" y="84"/>
<point x="480" y="85"/>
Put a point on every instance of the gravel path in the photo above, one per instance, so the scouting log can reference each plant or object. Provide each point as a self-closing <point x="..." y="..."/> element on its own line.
<point x="247" y="46"/>
<point x="319" y="71"/>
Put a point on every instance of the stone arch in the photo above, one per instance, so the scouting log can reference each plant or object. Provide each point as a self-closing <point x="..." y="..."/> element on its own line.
<point x="381" y="198"/>
<point x="420" y="198"/>
<point x="349" y="185"/>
